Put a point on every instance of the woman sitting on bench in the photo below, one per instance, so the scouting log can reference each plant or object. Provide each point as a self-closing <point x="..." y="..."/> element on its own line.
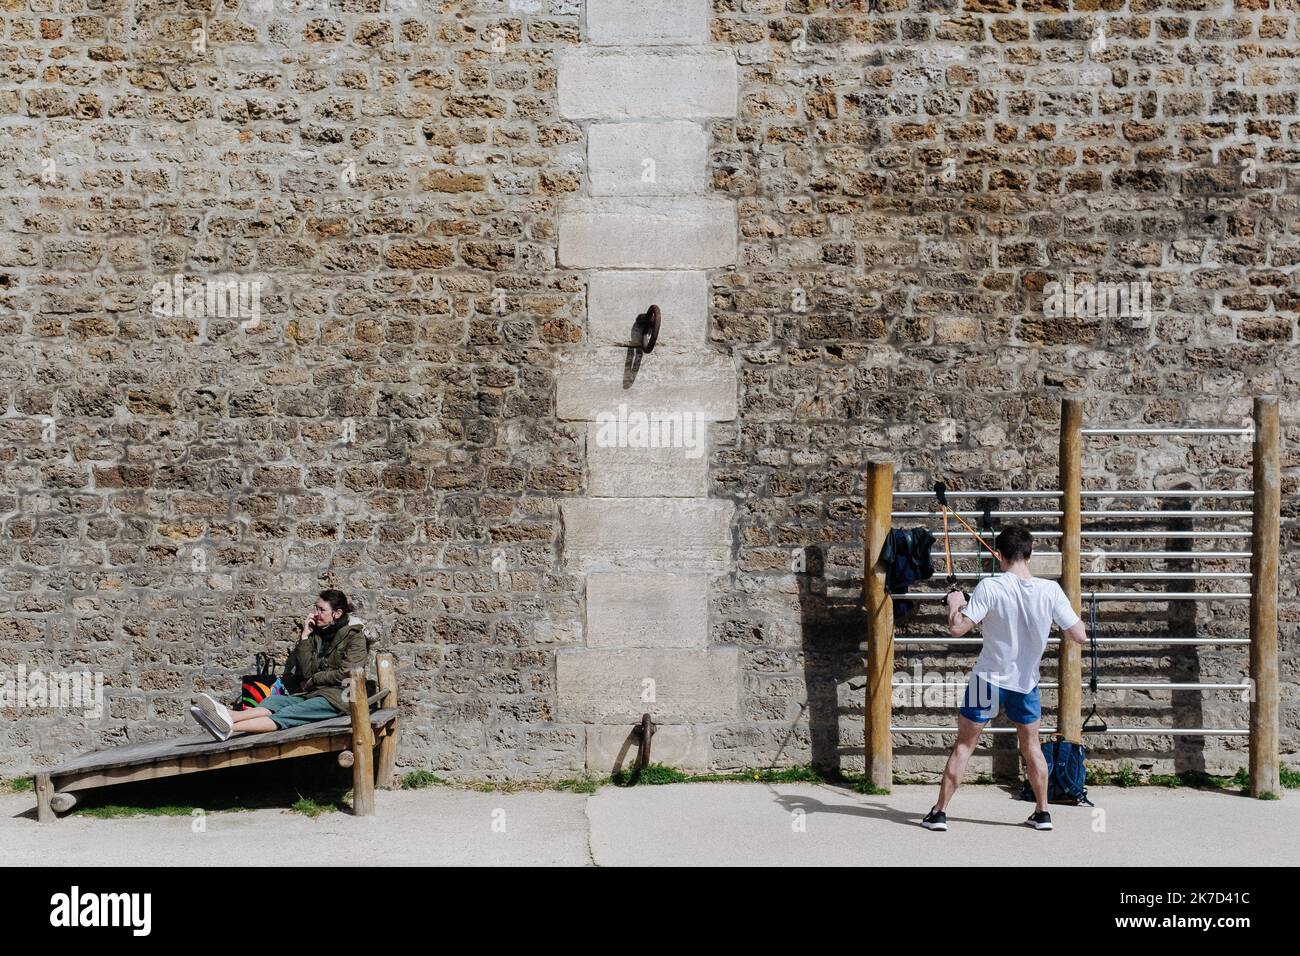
<point x="329" y="647"/>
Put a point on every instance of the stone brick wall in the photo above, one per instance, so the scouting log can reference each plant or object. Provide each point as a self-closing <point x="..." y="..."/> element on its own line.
<point x="394" y="178"/>
<point x="890" y="303"/>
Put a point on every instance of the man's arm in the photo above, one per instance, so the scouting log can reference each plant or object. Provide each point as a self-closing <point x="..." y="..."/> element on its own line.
<point x="1077" y="633"/>
<point x="1063" y="611"/>
<point x="958" y="623"/>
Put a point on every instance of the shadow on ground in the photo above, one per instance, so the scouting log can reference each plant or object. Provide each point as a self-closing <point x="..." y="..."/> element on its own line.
<point x="308" y="784"/>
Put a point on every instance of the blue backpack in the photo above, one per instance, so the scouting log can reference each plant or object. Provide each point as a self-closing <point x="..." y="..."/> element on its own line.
<point x="1066" y="776"/>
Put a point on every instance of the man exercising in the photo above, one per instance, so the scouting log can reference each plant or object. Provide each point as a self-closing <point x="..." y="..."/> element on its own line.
<point x="1017" y="611"/>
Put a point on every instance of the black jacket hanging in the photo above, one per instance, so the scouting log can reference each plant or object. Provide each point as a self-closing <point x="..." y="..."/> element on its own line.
<point x="906" y="557"/>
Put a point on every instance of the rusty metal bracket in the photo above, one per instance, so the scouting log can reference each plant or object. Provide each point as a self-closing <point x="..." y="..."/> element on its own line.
<point x="643" y="731"/>
<point x="647" y="328"/>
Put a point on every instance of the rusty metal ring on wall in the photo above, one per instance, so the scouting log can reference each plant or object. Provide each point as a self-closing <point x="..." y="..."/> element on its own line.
<point x="647" y="325"/>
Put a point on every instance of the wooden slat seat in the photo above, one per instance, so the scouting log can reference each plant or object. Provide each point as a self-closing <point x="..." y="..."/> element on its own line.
<point x="357" y="732"/>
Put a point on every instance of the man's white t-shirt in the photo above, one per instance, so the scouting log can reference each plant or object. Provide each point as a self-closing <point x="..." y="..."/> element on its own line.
<point x="1017" y="614"/>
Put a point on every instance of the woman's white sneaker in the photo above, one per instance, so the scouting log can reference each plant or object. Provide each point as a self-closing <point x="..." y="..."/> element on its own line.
<point x="207" y="725"/>
<point x="216" y="714"/>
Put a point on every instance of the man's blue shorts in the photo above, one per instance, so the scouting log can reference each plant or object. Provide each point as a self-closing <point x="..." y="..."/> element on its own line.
<point x="982" y="700"/>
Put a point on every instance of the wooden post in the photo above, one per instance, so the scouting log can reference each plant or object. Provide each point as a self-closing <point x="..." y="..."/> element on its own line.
<point x="44" y="792"/>
<point x="1267" y="504"/>
<point x="880" y="626"/>
<point x="1069" y="696"/>
<point x="387" y="771"/>
<point x="363" y="748"/>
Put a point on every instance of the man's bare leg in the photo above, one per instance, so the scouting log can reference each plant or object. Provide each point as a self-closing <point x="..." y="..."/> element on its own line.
<point x="968" y="737"/>
<point x="1035" y="766"/>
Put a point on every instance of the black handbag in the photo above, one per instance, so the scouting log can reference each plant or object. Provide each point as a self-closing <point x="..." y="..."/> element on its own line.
<point x="255" y="688"/>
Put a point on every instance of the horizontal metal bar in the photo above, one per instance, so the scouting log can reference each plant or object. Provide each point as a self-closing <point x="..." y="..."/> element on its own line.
<point x="1167" y="431"/>
<point x="978" y="514"/>
<point x="1103" y="493"/>
<point x="953" y="730"/>
<point x="1165" y="555"/>
<point x="1172" y="595"/>
<point x="1134" y="513"/>
<point x="1172" y="493"/>
<point x="979" y="494"/>
<point x="1127" y="731"/>
<point x="1056" y="640"/>
<point x="973" y="575"/>
<point x="1036" y="534"/>
<point x="1156" y="685"/>
<point x="1211" y="535"/>
<point x="1112" y="596"/>
<point x="980" y="554"/>
<point x="1052" y="685"/>
<point x="1148" y="513"/>
<point x="1165" y="575"/>
<point x="1126" y="575"/>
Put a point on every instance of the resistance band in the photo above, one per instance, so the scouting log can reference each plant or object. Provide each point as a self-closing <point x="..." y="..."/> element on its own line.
<point x="941" y="493"/>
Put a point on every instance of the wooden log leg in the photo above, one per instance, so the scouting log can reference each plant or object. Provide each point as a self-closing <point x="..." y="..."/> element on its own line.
<point x="1265" y="770"/>
<point x="880" y="627"/>
<point x="1069" y="655"/>
<point x="363" y="743"/>
<point x="386" y="771"/>
<point x="44" y="791"/>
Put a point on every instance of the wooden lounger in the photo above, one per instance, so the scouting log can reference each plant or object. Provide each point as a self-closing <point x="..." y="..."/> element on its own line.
<point x="354" y="737"/>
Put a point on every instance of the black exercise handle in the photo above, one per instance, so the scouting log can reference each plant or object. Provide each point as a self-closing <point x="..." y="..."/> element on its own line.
<point x="941" y="492"/>
<point x="1100" y="725"/>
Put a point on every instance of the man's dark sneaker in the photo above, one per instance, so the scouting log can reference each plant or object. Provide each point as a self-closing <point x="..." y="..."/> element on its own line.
<point x="935" y="820"/>
<point x="1040" y="820"/>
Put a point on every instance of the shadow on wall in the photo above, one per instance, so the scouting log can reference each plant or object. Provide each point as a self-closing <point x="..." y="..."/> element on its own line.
<point x="832" y="627"/>
<point x="831" y="630"/>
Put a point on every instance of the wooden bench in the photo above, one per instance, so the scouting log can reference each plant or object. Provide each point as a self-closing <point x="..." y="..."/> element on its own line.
<point x="354" y="737"/>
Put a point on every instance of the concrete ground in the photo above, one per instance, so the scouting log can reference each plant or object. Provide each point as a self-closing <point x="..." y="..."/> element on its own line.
<point x="725" y="824"/>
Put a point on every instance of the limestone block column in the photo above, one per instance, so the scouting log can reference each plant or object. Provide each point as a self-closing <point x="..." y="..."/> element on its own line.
<point x="648" y="537"/>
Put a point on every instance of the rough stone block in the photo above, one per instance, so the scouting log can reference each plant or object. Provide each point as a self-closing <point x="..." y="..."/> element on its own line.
<point x="646" y="159"/>
<point x="1045" y="565"/>
<point x="613" y="747"/>
<point x="615" y="299"/>
<point x="647" y="610"/>
<point x="647" y="234"/>
<point x="647" y="85"/>
<point x="671" y="534"/>
<point x="592" y="385"/>
<point x="608" y="686"/>
<point x="662" y="461"/>
<point x="647" y="22"/>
